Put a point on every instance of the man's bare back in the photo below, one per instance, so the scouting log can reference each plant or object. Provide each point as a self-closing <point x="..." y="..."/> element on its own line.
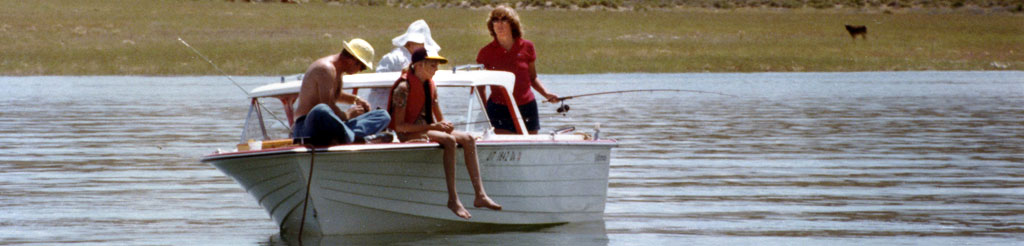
<point x="323" y="82"/>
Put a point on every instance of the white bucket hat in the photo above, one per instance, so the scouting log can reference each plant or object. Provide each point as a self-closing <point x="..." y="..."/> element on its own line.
<point x="418" y="32"/>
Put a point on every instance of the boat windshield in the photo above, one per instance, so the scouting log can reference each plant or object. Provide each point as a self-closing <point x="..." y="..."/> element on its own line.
<point x="464" y="108"/>
<point x="460" y="105"/>
<point x="265" y="121"/>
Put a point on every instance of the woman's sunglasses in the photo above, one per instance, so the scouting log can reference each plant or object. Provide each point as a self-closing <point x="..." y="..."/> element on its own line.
<point x="500" y="19"/>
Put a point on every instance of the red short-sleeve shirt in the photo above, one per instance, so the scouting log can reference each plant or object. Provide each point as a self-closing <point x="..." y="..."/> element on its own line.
<point x="516" y="60"/>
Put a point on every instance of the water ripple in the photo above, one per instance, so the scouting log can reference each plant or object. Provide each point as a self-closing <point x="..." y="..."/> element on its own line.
<point x="807" y="158"/>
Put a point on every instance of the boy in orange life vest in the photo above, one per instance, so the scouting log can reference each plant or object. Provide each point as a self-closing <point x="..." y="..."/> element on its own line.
<point x="417" y="117"/>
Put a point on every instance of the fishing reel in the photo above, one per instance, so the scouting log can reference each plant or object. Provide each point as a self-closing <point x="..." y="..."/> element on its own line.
<point x="563" y="108"/>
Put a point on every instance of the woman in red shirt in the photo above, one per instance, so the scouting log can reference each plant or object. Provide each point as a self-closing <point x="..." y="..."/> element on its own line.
<point x="511" y="52"/>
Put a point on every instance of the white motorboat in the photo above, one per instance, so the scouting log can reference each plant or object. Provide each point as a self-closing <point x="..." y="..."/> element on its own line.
<point x="542" y="179"/>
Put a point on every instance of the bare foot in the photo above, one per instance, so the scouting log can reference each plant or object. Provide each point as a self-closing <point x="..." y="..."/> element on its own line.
<point x="458" y="209"/>
<point x="484" y="201"/>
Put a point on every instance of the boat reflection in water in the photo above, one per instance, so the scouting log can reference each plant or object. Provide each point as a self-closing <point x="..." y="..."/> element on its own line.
<point x="578" y="233"/>
<point x="542" y="180"/>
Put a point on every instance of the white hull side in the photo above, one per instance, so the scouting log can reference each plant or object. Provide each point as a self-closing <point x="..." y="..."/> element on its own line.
<point x="276" y="182"/>
<point x="403" y="190"/>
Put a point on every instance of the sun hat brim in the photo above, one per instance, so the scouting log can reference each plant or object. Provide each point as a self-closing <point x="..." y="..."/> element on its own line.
<point x="357" y="55"/>
<point x="418" y="32"/>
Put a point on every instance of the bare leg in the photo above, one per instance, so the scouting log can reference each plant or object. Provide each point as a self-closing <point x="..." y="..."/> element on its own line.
<point x="448" y="142"/>
<point x="473" y="166"/>
<point x="503" y="131"/>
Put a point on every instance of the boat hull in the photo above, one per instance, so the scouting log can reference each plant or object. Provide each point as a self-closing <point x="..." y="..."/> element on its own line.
<point x="401" y="187"/>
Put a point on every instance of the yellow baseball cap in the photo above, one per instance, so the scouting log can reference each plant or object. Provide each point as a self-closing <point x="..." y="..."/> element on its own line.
<point x="422" y="54"/>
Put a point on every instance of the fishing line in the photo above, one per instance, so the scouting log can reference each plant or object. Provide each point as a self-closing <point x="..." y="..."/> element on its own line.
<point x="214" y="65"/>
<point x="258" y="103"/>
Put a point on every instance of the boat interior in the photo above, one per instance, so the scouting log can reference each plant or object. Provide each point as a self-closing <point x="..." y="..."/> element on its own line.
<point x="270" y="117"/>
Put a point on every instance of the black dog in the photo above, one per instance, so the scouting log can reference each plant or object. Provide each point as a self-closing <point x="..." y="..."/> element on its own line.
<point x="857" y="30"/>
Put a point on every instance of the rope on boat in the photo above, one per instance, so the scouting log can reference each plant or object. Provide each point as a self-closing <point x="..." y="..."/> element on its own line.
<point x="309" y="180"/>
<point x="258" y="103"/>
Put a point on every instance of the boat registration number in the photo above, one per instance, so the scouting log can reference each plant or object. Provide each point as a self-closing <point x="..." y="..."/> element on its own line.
<point x="504" y="156"/>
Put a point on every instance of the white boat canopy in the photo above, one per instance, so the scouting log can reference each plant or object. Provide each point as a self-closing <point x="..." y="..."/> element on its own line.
<point x="443" y="78"/>
<point x="500" y="82"/>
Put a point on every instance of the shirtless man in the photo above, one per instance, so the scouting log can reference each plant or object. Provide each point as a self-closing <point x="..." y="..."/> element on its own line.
<point x="321" y="122"/>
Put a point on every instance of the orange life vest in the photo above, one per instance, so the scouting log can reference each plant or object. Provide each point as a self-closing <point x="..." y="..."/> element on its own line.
<point x="416" y="99"/>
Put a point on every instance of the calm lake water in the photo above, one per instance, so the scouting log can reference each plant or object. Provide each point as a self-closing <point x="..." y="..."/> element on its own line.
<point x="905" y="158"/>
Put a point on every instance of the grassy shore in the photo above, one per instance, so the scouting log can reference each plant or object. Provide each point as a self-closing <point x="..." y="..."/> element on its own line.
<point x="124" y="37"/>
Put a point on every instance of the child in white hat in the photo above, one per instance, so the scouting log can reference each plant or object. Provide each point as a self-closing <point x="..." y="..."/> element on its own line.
<point x="417" y="36"/>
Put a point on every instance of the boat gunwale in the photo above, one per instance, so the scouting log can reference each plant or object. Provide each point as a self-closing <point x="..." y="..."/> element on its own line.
<point x="393" y="147"/>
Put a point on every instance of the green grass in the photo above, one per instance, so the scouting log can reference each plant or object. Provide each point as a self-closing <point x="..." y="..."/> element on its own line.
<point x="121" y="37"/>
<point x="995" y="5"/>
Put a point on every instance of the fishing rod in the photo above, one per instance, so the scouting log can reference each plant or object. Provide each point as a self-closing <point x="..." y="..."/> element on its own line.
<point x="258" y="103"/>
<point x="563" y="108"/>
<point x="470" y="123"/>
<point x="647" y="90"/>
<point x="214" y="65"/>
